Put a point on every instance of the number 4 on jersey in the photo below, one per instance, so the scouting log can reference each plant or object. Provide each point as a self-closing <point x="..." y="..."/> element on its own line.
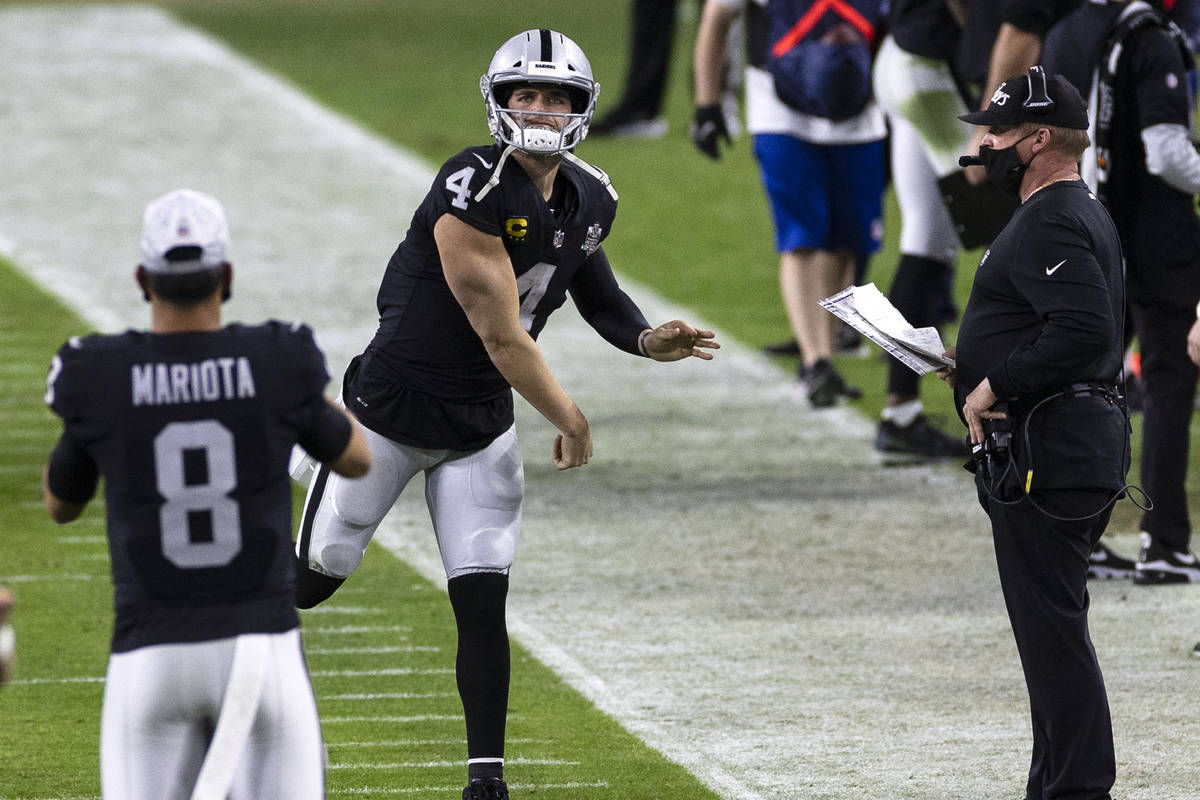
<point x="458" y="183"/>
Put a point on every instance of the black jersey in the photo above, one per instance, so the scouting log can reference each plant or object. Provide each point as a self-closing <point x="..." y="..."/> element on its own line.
<point x="1157" y="223"/>
<point x="192" y="434"/>
<point x="984" y="18"/>
<point x="924" y="28"/>
<point x="426" y="379"/>
<point x="1047" y="304"/>
<point x="1045" y="314"/>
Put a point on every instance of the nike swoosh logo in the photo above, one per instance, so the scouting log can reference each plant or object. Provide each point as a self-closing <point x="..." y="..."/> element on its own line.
<point x="1052" y="270"/>
<point x="486" y="165"/>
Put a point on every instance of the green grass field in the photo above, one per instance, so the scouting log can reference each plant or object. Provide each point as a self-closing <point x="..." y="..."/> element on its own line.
<point x="694" y="230"/>
<point x="382" y="670"/>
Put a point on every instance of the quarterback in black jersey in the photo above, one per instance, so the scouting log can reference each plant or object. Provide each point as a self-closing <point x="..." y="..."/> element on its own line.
<point x="1038" y="358"/>
<point x="191" y="425"/>
<point x="505" y="233"/>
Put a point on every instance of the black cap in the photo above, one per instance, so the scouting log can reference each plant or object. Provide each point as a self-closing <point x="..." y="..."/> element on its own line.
<point x="1034" y="97"/>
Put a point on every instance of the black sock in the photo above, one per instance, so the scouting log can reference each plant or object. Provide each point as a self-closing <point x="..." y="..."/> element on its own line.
<point x="483" y="665"/>
<point x="485" y="769"/>
<point x="313" y="587"/>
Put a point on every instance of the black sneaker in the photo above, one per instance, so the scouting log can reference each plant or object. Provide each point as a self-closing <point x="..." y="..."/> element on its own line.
<point x="823" y="384"/>
<point x="1157" y="565"/>
<point x="919" y="441"/>
<point x="485" y="789"/>
<point x="846" y="341"/>
<point x="1104" y="565"/>
<point x="849" y="342"/>
<point x="1196" y="651"/>
<point x="637" y="125"/>
<point x="789" y="348"/>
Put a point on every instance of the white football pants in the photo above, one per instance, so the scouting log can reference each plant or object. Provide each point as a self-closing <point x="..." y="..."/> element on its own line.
<point x="474" y="500"/>
<point x="922" y="104"/>
<point x="162" y="704"/>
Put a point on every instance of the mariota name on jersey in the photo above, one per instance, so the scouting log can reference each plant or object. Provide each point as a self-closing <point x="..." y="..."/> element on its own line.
<point x="209" y="380"/>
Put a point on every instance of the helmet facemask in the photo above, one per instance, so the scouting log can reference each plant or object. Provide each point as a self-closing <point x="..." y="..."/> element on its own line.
<point x="508" y="125"/>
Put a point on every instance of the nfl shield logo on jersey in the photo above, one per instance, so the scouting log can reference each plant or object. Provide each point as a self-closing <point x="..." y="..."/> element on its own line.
<point x="593" y="238"/>
<point x="559" y="235"/>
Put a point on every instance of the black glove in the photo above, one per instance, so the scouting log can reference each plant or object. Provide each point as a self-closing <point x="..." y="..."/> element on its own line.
<point x="707" y="127"/>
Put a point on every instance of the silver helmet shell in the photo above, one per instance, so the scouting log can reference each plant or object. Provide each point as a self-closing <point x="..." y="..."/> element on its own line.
<point x="547" y="57"/>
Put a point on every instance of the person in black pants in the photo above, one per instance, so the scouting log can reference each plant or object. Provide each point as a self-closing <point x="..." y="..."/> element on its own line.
<point x="1147" y="172"/>
<point x="1038" y="356"/>
<point x="652" y="32"/>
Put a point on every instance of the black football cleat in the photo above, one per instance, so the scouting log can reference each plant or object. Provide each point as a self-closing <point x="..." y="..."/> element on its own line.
<point x="486" y="789"/>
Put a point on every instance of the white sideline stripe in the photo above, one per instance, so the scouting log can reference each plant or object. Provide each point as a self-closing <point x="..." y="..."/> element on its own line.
<point x="532" y="762"/>
<point x="31" y="449"/>
<point x="82" y="539"/>
<point x="360" y="629"/>
<point x="75" y="576"/>
<point x="371" y="673"/>
<point x="423" y="742"/>
<point x="399" y="719"/>
<point x="52" y="681"/>
<point x="22" y="369"/>
<point x="348" y="651"/>
<point x="330" y="610"/>
<point x="372" y="790"/>
<point x="593" y="687"/>
<point x="20" y="469"/>
<point x="27" y="429"/>
<point x="387" y="696"/>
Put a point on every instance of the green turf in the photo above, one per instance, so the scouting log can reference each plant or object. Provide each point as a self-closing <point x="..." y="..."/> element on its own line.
<point x="695" y="230"/>
<point x="50" y="733"/>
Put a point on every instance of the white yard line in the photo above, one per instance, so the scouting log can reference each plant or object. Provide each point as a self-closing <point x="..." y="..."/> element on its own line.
<point x="732" y="577"/>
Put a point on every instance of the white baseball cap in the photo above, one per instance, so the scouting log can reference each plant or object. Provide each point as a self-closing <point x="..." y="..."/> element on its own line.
<point x="186" y="219"/>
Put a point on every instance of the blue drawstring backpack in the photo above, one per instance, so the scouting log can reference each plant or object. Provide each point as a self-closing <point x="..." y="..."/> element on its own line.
<point x="820" y="54"/>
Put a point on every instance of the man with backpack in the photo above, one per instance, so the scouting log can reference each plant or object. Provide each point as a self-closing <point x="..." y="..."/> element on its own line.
<point x="818" y="138"/>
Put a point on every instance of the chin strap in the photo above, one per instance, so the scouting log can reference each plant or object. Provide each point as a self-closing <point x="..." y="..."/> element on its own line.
<point x="495" y="179"/>
<point x="595" y="172"/>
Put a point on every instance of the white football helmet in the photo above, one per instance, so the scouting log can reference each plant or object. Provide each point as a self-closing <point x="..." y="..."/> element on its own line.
<point x="539" y="56"/>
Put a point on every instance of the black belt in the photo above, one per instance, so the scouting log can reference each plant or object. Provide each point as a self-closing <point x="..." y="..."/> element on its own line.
<point x="1109" y="391"/>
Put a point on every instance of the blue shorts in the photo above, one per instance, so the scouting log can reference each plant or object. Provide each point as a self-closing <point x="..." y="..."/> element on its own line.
<point x="824" y="196"/>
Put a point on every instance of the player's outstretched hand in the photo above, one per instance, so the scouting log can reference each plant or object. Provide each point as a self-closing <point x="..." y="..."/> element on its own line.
<point x="674" y="340"/>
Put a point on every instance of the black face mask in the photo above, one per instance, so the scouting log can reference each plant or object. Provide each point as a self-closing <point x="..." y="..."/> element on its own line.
<point x="1004" y="168"/>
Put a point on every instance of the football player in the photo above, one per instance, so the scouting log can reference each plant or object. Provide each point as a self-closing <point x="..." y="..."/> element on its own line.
<point x="504" y="234"/>
<point x="191" y="425"/>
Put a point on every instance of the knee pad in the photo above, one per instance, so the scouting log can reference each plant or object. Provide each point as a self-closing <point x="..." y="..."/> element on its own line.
<point x="338" y="559"/>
